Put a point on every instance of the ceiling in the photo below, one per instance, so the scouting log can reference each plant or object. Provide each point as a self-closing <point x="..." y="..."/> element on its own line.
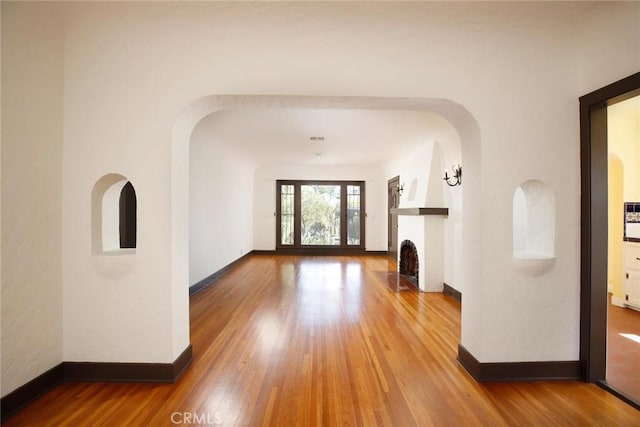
<point x="351" y="137"/>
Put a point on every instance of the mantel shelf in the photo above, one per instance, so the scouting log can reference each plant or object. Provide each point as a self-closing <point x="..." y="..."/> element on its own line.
<point x="420" y="211"/>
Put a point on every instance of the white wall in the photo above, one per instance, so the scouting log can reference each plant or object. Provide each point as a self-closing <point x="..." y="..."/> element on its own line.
<point x="32" y="66"/>
<point x="131" y="68"/>
<point x="264" y="222"/>
<point x="117" y="308"/>
<point x="220" y="203"/>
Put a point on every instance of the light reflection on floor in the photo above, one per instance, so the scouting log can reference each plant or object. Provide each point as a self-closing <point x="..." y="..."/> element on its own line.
<point x="328" y="291"/>
<point x="623" y="351"/>
<point x="632" y="337"/>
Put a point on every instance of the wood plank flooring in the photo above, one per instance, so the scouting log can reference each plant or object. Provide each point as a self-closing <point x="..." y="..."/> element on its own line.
<point x="623" y="350"/>
<point x="301" y="341"/>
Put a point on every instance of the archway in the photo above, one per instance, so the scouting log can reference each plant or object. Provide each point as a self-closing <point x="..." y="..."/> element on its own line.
<point x="461" y="119"/>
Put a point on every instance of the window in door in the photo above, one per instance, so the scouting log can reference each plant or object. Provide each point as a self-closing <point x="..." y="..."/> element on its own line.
<point x="287" y="195"/>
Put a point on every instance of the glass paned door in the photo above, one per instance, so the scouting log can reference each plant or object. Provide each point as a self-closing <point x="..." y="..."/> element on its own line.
<point x="287" y="215"/>
<point x="353" y="215"/>
<point x="320" y="215"/>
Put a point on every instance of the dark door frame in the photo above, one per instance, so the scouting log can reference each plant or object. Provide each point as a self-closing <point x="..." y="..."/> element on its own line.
<point x="395" y="181"/>
<point x="593" y="227"/>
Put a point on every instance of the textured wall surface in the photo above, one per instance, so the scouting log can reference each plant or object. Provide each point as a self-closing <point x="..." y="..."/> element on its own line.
<point x="132" y="69"/>
<point x="31" y="194"/>
<point x="518" y="68"/>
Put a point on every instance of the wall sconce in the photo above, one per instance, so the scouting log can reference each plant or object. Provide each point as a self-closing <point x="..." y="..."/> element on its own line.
<point x="400" y="189"/>
<point x="456" y="177"/>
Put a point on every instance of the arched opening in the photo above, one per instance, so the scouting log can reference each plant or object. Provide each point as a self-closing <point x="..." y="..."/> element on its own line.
<point x="128" y="207"/>
<point x="460" y="119"/>
<point x="409" y="262"/>
<point x="114" y="216"/>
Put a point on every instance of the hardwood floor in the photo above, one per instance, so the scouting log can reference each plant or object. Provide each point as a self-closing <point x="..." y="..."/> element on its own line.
<point x="295" y="341"/>
<point x="623" y="350"/>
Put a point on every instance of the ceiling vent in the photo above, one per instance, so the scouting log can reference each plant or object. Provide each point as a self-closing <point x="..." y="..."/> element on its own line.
<point x="316" y="138"/>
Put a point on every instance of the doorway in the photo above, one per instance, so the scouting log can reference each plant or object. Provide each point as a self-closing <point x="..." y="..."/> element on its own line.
<point x="594" y="228"/>
<point x="623" y="321"/>
<point x="393" y="201"/>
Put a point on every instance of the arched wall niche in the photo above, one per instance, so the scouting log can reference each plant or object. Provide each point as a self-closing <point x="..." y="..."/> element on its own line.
<point x="534" y="226"/>
<point x="114" y="212"/>
<point x="533" y="221"/>
<point x="460" y="118"/>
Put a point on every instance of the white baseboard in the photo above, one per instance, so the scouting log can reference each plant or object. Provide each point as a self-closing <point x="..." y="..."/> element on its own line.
<point x="633" y="306"/>
<point x="618" y="302"/>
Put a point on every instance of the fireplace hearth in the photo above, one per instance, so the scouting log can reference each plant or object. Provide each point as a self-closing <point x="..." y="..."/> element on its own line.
<point x="409" y="265"/>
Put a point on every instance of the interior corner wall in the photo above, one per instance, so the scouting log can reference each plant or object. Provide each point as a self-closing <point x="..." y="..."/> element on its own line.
<point x="32" y="108"/>
<point x="220" y="204"/>
<point x="265" y="199"/>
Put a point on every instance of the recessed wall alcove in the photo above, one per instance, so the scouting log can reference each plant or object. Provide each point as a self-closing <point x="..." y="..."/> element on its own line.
<point x="533" y="227"/>
<point x="114" y="216"/>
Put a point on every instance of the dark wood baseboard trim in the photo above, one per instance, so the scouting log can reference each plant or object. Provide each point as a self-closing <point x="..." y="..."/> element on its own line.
<point x="452" y="292"/>
<point x="619" y="394"/>
<point x="212" y="278"/>
<point x="181" y="364"/>
<point x="518" y="371"/>
<point x="117" y="372"/>
<point x="128" y="372"/>
<point x="327" y="251"/>
<point x="22" y="396"/>
<point x="94" y="372"/>
<point x="469" y="362"/>
<point x="319" y="252"/>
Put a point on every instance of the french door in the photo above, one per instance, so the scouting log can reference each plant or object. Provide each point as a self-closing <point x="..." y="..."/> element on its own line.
<point x="322" y="214"/>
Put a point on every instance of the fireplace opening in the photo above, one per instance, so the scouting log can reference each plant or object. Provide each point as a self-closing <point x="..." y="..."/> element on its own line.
<point x="408" y="265"/>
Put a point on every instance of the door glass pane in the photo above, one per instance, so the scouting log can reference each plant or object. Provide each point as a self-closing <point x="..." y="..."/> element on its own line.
<point x="353" y="214"/>
<point x="320" y="223"/>
<point x="287" y="193"/>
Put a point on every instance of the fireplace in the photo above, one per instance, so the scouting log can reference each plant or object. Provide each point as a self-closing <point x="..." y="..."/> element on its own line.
<point x="409" y="264"/>
<point x="421" y="246"/>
